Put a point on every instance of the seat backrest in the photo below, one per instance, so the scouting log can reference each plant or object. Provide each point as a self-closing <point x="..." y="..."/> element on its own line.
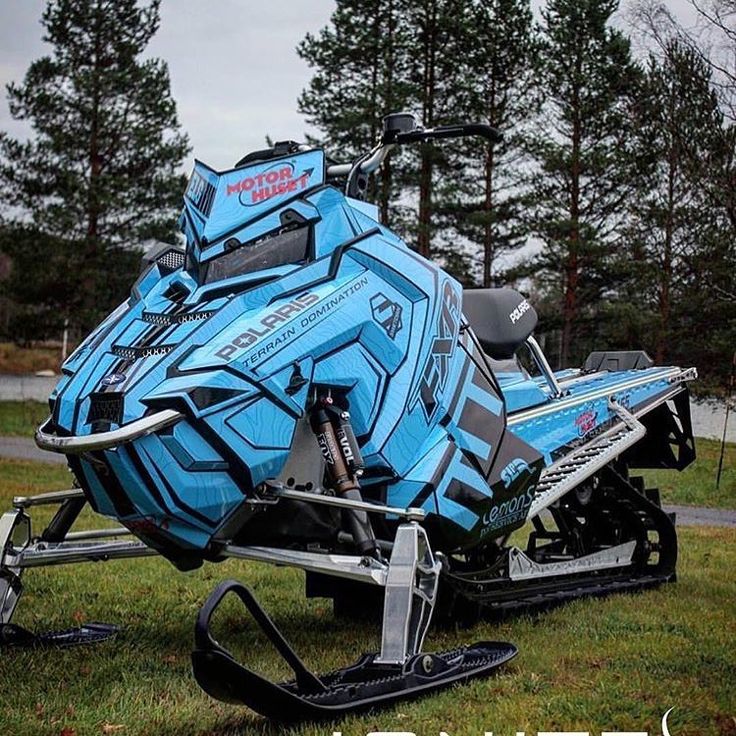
<point x="502" y="319"/>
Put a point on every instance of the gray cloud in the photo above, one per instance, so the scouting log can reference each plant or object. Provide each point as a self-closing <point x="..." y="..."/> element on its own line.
<point x="234" y="70"/>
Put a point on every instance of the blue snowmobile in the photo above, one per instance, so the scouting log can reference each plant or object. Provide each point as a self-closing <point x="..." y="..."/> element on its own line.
<point x="298" y="387"/>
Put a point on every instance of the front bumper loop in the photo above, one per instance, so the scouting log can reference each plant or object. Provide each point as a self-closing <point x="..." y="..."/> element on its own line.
<point x="46" y="439"/>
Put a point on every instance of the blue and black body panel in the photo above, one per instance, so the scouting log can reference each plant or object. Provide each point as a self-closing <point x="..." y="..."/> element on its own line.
<point x="288" y="289"/>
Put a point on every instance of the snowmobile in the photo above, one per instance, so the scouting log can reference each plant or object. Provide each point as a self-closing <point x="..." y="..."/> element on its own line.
<point x="298" y="387"/>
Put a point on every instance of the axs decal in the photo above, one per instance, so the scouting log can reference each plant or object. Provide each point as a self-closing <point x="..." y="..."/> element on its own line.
<point x="436" y="369"/>
<point x="387" y="314"/>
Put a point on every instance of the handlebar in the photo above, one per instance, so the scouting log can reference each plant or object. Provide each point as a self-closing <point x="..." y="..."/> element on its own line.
<point x="446" y="131"/>
<point x="391" y="138"/>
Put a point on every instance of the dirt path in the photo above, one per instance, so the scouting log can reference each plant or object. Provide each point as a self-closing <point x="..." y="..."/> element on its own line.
<point x="24" y="448"/>
<point x="699" y="516"/>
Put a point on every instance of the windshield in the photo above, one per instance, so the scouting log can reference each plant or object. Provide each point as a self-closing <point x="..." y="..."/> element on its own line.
<point x="291" y="246"/>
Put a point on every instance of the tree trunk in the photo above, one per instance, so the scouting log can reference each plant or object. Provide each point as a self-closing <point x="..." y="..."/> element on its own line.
<point x="489" y="245"/>
<point x="95" y="161"/>
<point x="665" y="303"/>
<point x="489" y="251"/>
<point x="92" y="238"/>
<point x="386" y="173"/>
<point x="424" y="234"/>
<point x="572" y="264"/>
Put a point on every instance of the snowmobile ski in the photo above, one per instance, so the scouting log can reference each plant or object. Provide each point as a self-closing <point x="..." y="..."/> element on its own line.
<point x="12" y="635"/>
<point x="362" y="686"/>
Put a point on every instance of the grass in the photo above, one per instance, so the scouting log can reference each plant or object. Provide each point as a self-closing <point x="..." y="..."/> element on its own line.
<point x="17" y="360"/>
<point x="20" y="418"/>
<point x="610" y="664"/>
<point x="696" y="485"/>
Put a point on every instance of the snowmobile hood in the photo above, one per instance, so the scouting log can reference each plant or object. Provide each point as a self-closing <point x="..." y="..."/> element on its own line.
<point x="199" y="330"/>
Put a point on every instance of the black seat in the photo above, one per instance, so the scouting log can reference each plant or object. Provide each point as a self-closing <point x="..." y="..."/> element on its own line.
<point x="502" y="319"/>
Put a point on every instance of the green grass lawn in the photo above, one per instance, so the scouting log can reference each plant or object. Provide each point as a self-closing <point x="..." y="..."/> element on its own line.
<point x="611" y="664"/>
<point x="696" y="485"/>
<point x="20" y="418"/>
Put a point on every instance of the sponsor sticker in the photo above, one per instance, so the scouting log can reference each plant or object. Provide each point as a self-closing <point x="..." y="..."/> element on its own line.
<point x="281" y="178"/>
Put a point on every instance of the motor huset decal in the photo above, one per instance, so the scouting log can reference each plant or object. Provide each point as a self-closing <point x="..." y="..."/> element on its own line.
<point x="276" y="180"/>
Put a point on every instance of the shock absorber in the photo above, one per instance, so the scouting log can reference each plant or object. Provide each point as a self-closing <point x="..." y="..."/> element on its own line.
<point x="344" y="466"/>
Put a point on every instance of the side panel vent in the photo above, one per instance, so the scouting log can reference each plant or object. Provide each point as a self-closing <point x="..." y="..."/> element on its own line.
<point x="171" y="260"/>
<point x="160" y="318"/>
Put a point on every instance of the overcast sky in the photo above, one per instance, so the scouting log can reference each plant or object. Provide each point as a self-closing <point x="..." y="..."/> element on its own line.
<point x="234" y="70"/>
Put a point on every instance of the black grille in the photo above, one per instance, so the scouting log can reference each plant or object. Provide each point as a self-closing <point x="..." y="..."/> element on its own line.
<point x="105" y="407"/>
<point x="133" y="353"/>
<point x="171" y="260"/>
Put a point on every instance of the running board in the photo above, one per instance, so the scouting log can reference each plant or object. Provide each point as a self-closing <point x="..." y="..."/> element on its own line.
<point x="521" y="567"/>
<point x="568" y="472"/>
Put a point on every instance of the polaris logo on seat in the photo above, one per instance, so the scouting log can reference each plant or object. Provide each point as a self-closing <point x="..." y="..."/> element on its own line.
<point x="519" y="312"/>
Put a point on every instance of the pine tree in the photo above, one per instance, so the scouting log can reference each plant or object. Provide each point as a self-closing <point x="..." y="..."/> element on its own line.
<point x="382" y="56"/>
<point x="484" y="202"/>
<point x="676" y="106"/>
<point x="101" y="170"/>
<point x="437" y="55"/>
<point x="679" y="241"/>
<point x="584" y="173"/>
<point x="359" y="77"/>
<point x="104" y="159"/>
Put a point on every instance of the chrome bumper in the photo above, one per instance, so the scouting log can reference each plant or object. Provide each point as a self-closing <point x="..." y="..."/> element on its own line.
<point x="77" y="445"/>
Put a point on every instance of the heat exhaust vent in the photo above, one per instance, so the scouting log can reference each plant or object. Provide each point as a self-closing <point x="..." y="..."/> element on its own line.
<point x="134" y="353"/>
<point x="157" y="318"/>
<point x="176" y="293"/>
<point x="105" y="407"/>
<point x="170" y="261"/>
